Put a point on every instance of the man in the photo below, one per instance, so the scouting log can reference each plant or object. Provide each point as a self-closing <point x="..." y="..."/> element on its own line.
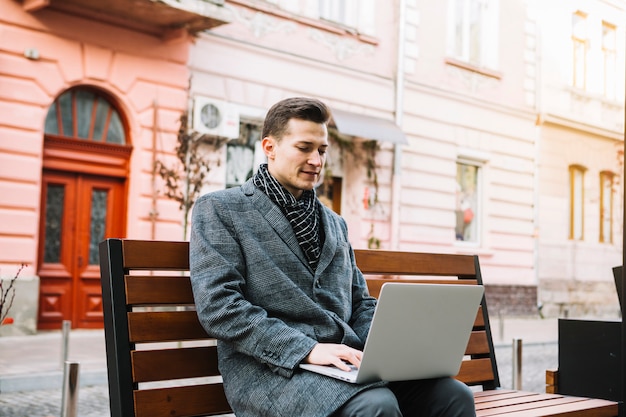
<point x="275" y="280"/>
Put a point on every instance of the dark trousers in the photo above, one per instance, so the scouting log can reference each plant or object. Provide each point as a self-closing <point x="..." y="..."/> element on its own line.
<point x="442" y="397"/>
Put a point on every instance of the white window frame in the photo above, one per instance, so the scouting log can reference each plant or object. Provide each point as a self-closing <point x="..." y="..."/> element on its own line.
<point x="247" y="115"/>
<point x="607" y="179"/>
<point x="472" y="201"/>
<point x="243" y="156"/>
<point x="609" y="59"/>
<point x="580" y="49"/>
<point x="577" y="202"/>
<point x="357" y="14"/>
<point x="484" y="54"/>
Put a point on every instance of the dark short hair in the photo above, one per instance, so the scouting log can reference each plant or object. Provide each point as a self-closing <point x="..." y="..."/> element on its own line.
<point x="302" y="108"/>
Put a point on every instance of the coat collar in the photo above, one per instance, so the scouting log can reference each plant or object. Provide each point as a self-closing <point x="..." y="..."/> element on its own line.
<point x="277" y="220"/>
<point x="275" y="217"/>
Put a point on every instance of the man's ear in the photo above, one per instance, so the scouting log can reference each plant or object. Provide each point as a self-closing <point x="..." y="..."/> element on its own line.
<point x="268" y="144"/>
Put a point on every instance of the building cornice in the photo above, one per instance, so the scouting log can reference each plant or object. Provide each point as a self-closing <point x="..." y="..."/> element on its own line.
<point x="557" y="120"/>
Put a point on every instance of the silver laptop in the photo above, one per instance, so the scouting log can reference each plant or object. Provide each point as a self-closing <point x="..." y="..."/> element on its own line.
<point x="418" y="331"/>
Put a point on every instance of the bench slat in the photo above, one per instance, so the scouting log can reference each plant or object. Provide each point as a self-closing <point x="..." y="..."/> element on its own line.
<point x="480" y="319"/>
<point x="395" y="263"/>
<point x="184" y="401"/>
<point x="375" y="284"/>
<point x="164" y="326"/>
<point x="165" y="364"/>
<point x="490" y="395"/>
<point x="155" y="255"/>
<point x="478" y="343"/>
<point x="475" y="372"/>
<point x="154" y="290"/>
<point x="527" y="404"/>
<point x="521" y="399"/>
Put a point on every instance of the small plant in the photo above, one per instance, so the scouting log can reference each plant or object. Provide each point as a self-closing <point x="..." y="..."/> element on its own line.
<point x="7" y="295"/>
<point x="186" y="176"/>
<point x="372" y="241"/>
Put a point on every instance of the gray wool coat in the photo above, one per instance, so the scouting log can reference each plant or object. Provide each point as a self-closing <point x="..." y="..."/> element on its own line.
<point x="256" y="293"/>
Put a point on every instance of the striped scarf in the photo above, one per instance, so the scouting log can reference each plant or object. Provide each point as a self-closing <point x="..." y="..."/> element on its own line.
<point x="302" y="214"/>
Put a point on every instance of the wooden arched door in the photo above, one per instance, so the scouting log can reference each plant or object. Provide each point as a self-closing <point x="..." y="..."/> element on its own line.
<point x="83" y="201"/>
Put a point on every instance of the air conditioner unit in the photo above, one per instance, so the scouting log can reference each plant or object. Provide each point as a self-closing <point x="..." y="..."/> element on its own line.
<point x="215" y="117"/>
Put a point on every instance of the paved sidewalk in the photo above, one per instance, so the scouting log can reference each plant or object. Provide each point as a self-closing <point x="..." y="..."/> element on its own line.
<point x="529" y="329"/>
<point x="31" y="373"/>
<point x="35" y="362"/>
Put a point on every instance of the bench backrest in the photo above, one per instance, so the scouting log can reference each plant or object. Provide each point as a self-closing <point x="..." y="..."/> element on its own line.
<point x="162" y="363"/>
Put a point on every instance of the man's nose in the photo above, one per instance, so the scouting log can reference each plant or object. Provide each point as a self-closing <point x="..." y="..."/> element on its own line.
<point x="315" y="159"/>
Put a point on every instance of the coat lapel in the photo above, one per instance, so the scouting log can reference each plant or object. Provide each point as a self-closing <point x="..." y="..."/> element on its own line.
<point x="330" y="242"/>
<point x="276" y="219"/>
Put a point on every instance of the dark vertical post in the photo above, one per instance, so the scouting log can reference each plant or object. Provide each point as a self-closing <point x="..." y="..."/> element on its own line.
<point x="516" y="383"/>
<point x="69" y="399"/>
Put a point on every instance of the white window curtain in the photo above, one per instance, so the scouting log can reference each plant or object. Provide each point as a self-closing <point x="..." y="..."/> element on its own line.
<point x="472" y="34"/>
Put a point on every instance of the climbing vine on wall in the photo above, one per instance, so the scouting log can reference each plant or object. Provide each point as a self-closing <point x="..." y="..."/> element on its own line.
<point x="185" y="177"/>
<point x="362" y="153"/>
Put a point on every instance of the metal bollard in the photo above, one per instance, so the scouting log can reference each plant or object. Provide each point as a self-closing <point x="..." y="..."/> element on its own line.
<point x="69" y="399"/>
<point x="65" y="341"/>
<point x="517" y="364"/>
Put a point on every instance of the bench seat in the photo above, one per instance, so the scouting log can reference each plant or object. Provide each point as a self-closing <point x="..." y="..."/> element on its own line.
<point x="161" y="363"/>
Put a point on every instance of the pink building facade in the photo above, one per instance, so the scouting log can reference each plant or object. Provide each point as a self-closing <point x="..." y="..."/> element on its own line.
<point x="85" y="93"/>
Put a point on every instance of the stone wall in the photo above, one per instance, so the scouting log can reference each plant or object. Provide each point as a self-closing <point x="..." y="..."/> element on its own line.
<point x="511" y="300"/>
<point x="579" y="299"/>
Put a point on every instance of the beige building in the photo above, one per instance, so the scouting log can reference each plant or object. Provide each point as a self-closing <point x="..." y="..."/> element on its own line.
<point x="580" y="162"/>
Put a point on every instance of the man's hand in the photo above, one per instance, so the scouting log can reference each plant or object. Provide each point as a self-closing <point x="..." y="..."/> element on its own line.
<point x="334" y="354"/>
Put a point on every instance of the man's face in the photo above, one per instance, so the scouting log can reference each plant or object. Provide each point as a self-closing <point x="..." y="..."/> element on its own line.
<point x="296" y="161"/>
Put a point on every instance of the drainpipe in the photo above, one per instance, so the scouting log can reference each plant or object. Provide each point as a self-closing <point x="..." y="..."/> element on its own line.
<point x="538" y="124"/>
<point x="399" y="113"/>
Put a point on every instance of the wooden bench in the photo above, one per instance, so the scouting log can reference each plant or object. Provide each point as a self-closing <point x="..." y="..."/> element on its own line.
<point x="162" y="363"/>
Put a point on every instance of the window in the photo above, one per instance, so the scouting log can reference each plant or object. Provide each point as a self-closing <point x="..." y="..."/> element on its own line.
<point x="606" y="206"/>
<point x="577" y="196"/>
<point x="84" y="114"/>
<point x="359" y="14"/>
<point x="609" y="60"/>
<point x="244" y="154"/>
<point x="337" y="11"/>
<point x="467" y="202"/>
<point x="579" y="43"/>
<point x="473" y="32"/>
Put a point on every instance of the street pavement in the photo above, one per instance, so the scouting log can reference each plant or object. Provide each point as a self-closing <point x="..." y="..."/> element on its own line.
<point x="31" y="370"/>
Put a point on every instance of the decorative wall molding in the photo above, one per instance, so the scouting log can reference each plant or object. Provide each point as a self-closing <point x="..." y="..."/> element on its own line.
<point x="342" y="47"/>
<point x="473" y="80"/>
<point x="262" y="24"/>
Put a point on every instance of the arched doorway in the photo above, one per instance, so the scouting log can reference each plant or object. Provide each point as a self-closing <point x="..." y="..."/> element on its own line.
<point x="83" y="201"/>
